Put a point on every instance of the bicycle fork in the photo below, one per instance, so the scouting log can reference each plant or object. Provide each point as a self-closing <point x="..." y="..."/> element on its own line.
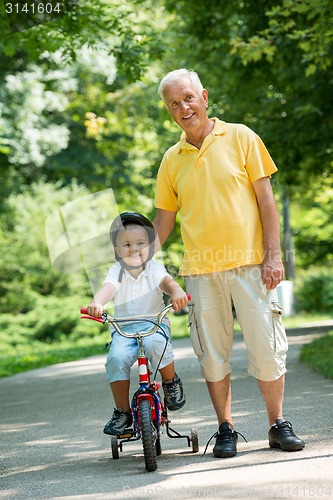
<point x="146" y="391"/>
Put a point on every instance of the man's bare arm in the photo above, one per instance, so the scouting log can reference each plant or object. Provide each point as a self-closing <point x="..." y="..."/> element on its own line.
<point x="163" y="223"/>
<point x="272" y="268"/>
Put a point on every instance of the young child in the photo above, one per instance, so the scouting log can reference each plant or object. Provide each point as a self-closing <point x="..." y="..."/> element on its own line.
<point x="136" y="284"/>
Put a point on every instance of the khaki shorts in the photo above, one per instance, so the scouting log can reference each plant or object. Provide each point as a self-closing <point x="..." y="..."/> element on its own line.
<point x="258" y="313"/>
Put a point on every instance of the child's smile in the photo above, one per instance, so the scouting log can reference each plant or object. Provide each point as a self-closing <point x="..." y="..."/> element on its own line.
<point x="133" y="245"/>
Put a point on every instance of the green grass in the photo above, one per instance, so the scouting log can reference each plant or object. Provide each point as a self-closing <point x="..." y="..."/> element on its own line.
<point x="38" y="355"/>
<point x="303" y="319"/>
<point x="35" y="354"/>
<point x="318" y="355"/>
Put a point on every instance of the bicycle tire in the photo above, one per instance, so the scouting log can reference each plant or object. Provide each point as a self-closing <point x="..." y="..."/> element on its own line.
<point x="158" y="446"/>
<point x="194" y="440"/>
<point x="148" y="435"/>
<point x="114" y="447"/>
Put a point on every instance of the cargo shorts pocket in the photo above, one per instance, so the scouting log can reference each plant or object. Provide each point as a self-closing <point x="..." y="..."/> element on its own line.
<point x="195" y="335"/>
<point x="280" y="337"/>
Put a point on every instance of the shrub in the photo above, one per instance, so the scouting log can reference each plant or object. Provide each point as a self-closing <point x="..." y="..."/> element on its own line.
<point x="314" y="290"/>
<point x="25" y="266"/>
<point x="53" y="319"/>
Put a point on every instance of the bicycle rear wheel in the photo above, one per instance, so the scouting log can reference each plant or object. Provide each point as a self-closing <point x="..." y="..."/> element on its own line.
<point x="148" y="434"/>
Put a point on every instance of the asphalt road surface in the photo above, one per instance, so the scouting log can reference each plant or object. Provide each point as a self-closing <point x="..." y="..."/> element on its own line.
<point x="52" y="445"/>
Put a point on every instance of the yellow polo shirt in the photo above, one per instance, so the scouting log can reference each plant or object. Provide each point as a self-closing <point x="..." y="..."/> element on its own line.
<point x="212" y="189"/>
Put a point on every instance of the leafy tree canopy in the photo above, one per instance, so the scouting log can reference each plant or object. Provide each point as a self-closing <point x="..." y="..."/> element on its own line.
<point x="117" y="26"/>
<point x="267" y="64"/>
<point x="306" y="24"/>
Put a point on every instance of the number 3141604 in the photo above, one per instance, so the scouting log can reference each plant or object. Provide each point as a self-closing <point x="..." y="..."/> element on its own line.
<point x="33" y="8"/>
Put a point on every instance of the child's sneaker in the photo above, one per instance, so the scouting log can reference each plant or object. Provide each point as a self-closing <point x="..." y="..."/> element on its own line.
<point x="119" y="421"/>
<point x="174" y="394"/>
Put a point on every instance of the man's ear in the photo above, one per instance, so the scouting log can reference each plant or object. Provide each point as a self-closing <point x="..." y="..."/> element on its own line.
<point x="205" y="97"/>
<point x="166" y="109"/>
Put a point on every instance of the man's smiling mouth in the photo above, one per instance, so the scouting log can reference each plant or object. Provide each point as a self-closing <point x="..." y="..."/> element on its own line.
<point x="188" y="116"/>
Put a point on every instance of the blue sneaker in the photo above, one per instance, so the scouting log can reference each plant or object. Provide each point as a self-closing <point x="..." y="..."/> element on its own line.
<point x="174" y="394"/>
<point x="119" y="421"/>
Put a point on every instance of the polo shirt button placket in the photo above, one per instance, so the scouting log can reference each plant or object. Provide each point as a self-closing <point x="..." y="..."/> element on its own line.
<point x="198" y="161"/>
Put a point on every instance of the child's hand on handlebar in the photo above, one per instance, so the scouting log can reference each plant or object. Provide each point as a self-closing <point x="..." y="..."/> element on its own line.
<point x="178" y="299"/>
<point x="95" y="309"/>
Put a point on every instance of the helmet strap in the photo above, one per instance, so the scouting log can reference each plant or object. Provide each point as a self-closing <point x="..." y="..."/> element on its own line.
<point x="126" y="266"/>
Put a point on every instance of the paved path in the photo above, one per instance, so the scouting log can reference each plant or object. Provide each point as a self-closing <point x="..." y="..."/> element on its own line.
<point x="52" y="445"/>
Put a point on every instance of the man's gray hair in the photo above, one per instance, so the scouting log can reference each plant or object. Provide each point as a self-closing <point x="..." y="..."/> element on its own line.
<point x="177" y="75"/>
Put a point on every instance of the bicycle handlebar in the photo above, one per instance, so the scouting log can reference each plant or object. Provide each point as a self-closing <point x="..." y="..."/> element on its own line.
<point x="110" y="319"/>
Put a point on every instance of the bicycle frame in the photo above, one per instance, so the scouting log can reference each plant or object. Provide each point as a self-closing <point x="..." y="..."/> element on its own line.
<point x="148" y="391"/>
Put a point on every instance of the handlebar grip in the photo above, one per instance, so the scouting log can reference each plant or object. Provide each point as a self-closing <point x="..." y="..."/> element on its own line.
<point x="84" y="310"/>
<point x="99" y="320"/>
<point x="188" y="296"/>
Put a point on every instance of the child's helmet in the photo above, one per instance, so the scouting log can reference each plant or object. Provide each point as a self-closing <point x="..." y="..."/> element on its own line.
<point x="123" y="220"/>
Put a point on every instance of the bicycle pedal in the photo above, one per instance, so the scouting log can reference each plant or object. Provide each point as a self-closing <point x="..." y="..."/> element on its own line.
<point x="126" y="434"/>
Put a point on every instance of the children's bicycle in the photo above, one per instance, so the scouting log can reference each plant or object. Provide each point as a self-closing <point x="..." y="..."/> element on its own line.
<point x="148" y="409"/>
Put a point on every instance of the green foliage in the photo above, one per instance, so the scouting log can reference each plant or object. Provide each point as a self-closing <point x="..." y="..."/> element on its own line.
<point x="35" y="126"/>
<point x="26" y="269"/>
<point x="271" y="92"/>
<point x="117" y="133"/>
<point x="117" y="26"/>
<point x="34" y="134"/>
<point x="53" y="77"/>
<point x="121" y="141"/>
<point x="314" y="290"/>
<point x="318" y="355"/>
<point x="312" y="220"/>
<point x="53" y="319"/>
<point x="306" y="23"/>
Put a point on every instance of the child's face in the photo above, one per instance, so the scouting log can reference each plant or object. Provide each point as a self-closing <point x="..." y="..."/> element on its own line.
<point x="133" y="245"/>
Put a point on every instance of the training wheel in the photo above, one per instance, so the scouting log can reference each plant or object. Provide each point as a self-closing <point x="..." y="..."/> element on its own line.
<point x="158" y="446"/>
<point x="194" y="440"/>
<point x="114" y="447"/>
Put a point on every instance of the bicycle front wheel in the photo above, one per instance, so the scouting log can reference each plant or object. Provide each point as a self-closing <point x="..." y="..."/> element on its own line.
<point x="148" y="434"/>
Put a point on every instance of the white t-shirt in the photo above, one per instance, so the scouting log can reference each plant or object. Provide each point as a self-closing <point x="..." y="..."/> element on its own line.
<point x="138" y="296"/>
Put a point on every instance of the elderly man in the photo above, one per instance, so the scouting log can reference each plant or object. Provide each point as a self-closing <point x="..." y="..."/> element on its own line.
<point x="218" y="177"/>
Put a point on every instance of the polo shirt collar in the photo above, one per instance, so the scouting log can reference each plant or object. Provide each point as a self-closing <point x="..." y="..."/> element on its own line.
<point x="144" y="272"/>
<point x="219" y="129"/>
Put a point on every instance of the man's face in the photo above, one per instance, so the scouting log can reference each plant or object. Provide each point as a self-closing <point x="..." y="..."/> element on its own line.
<point x="186" y="104"/>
